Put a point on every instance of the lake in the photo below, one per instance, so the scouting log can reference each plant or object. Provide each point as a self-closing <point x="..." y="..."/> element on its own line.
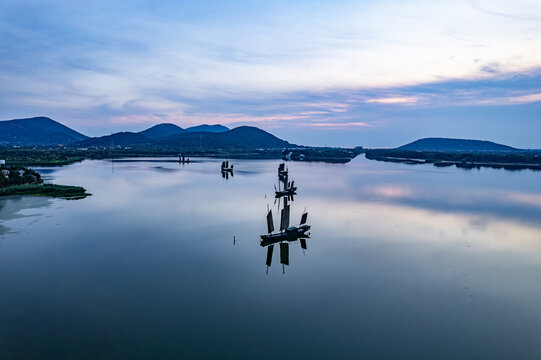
<point x="164" y="261"/>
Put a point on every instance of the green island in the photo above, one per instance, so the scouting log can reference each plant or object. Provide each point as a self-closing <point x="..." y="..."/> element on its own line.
<point x="18" y="180"/>
<point x="462" y="153"/>
<point x="512" y="160"/>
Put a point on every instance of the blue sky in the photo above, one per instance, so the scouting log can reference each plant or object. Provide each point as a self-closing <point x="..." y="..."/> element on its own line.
<point x="371" y="73"/>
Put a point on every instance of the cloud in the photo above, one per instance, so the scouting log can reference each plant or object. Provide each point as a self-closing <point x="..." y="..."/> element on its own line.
<point x="343" y="45"/>
<point x="530" y="98"/>
<point x="362" y="124"/>
<point x="390" y="191"/>
<point x="280" y="64"/>
<point x="393" y="100"/>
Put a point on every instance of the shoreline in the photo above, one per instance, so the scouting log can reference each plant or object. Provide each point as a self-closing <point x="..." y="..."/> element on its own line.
<point x="67" y="156"/>
<point x="461" y="164"/>
<point x="465" y="159"/>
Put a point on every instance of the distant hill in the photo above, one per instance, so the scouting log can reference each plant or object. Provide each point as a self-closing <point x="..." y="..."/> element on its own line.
<point x="161" y="131"/>
<point x="37" y="131"/>
<point x="446" y="144"/>
<point x="44" y="131"/>
<point x="243" y="137"/>
<point x="249" y="137"/>
<point x="208" y="128"/>
<point x="125" y="139"/>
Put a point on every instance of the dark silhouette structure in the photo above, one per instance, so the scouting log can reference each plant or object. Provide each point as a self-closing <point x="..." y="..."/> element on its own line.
<point x="287" y="234"/>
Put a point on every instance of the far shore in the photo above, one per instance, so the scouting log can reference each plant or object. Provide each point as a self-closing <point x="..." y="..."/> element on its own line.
<point x="462" y="164"/>
<point x="59" y="156"/>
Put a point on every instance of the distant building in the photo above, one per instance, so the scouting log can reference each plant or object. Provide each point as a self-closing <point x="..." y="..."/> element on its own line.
<point x="2" y="162"/>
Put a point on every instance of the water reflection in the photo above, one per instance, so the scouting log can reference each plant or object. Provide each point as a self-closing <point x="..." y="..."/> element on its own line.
<point x="19" y="207"/>
<point x="417" y="263"/>
<point x="287" y="234"/>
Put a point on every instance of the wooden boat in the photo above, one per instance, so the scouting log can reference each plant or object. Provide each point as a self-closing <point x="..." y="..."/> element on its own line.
<point x="226" y="167"/>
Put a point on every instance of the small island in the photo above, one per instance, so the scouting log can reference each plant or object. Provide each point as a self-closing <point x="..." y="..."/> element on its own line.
<point x="18" y="180"/>
<point x="462" y="153"/>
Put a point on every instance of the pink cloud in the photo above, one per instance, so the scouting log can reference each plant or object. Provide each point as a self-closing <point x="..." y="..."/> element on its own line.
<point x="525" y="98"/>
<point x="363" y="124"/>
<point x="393" y="100"/>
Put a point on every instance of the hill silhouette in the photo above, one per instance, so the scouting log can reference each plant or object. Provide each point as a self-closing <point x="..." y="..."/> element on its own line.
<point x="243" y="137"/>
<point x="125" y="139"/>
<point x="37" y="131"/>
<point x="208" y="128"/>
<point x="240" y="138"/>
<point x="43" y="131"/>
<point x="161" y="131"/>
<point x="447" y="144"/>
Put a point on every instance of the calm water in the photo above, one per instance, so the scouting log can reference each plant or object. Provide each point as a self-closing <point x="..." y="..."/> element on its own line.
<point x="404" y="262"/>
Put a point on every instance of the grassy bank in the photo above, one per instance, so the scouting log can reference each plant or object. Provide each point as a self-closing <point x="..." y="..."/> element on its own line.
<point x="52" y="190"/>
<point x="18" y="180"/>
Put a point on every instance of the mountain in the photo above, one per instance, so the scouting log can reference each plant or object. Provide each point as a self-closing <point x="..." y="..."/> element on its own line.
<point x="446" y="144"/>
<point x="208" y="128"/>
<point x="37" y="131"/>
<point x="249" y="137"/>
<point x="243" y="137"/>
<point x="44" y="131"/>
<point x="128" y="139"/>
<point x="161" y="131"/>
<point x="240" y="138"/>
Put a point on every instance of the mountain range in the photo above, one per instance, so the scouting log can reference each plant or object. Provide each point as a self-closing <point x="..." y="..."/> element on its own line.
<point x="43" y="131"/>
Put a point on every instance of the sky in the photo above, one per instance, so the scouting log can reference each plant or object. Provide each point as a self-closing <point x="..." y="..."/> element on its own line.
<point x="373" y="73"/>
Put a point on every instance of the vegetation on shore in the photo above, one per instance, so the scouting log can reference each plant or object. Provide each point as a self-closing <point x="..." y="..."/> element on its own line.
<point x="511" y="160"/>
<point x="18" y="175"/>
<point x="56" y="156"/>
<point x="42" y="156"/>
<point x="18" y="180"/>
<point x="323" y="154"/>
<point x="52" y="190"/>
